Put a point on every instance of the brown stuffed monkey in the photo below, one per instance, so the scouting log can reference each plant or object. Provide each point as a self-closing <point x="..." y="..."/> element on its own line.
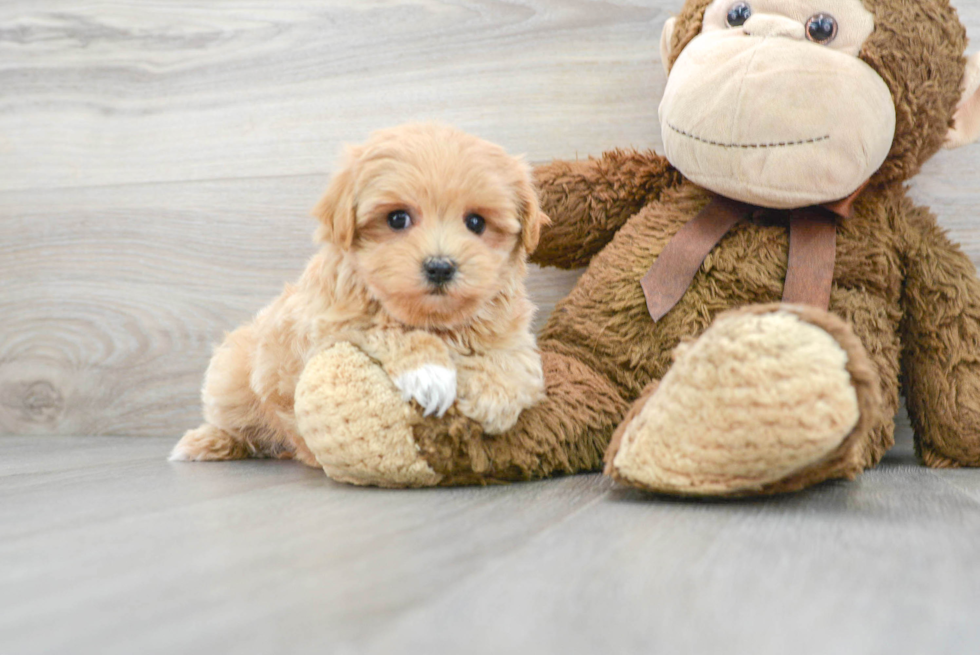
<point x="755" y="300"/>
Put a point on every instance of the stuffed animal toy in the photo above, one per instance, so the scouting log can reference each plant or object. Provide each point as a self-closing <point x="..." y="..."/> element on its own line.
<point x="755" y="300"/>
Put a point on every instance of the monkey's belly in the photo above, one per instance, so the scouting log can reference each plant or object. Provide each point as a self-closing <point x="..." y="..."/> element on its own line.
<point x="605" y="323"/>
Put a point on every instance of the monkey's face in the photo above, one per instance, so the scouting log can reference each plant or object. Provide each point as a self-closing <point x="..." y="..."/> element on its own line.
<point x="771" y="105"/>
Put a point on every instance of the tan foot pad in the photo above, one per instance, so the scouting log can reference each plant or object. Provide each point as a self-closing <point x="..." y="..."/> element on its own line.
<point x="354" y="420"/>
<point x="755" y="399"/>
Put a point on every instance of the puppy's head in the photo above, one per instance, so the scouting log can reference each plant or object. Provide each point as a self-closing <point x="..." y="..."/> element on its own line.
<point x="437" y="222"/>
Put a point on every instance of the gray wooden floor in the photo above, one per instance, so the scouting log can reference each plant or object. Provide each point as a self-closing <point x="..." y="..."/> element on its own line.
<point x="107" y="548"/>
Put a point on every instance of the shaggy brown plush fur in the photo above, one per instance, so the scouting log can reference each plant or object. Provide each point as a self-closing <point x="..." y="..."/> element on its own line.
<point x="911" y="299"/>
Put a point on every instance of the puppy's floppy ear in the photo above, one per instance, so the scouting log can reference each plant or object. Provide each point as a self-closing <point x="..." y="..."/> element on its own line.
<point x="531" y="217"/>
<point x="337" y="209"/>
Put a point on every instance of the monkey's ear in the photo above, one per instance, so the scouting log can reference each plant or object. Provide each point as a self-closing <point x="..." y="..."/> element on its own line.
<point x="966" y="120"/>
<point x="337" y="209"/>
<point x="665" y="38"/>
<point x="531" y="216"/>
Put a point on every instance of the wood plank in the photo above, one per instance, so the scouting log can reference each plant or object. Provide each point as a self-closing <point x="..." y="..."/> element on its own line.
<point x="151" y="556"/>
<point x="884" y="565"/>
<point x="143" y="555"/>
<point x="111" y="93"/>
<point x="62" y="454"/>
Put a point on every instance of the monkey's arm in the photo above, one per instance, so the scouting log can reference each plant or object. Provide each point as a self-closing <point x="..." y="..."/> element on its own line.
<point x="588" y="201"/>
<point x="941" y="345"/>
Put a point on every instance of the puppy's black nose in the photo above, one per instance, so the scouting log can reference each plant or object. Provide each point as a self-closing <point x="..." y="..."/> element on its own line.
<point x="439" y="270"/>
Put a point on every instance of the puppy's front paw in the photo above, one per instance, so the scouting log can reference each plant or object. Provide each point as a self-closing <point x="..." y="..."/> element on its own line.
<point x="494" y="415"/>
<point x="431" y="386"/>
<point x="494" y="393"/>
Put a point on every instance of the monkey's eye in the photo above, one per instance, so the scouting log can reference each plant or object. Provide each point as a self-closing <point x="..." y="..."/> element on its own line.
<point x="738" y="14"/>
<point x="399" y="220"/>
<point x="821" y="29"/>
<point x="476" y="224"/>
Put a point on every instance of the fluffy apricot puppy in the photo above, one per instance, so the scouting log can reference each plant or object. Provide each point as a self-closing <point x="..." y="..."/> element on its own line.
<point x="425" y="233"/>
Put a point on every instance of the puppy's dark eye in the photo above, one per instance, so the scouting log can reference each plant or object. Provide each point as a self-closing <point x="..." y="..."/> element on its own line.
<point x="476" y="224"/>
<point x="821" y="29"/>
<point x="738" y="14"/>
<point x="399" y="220"/>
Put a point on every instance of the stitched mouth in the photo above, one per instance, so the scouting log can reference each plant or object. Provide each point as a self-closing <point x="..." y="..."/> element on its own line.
<point x="750" y="146"/>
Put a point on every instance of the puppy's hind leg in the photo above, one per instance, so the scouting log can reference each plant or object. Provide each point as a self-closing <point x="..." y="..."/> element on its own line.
<point x="237" y="425"/>
<point x="210" y="443"/>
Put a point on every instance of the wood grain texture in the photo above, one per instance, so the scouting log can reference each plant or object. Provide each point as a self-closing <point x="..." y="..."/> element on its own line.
<point x="113" y="93"/>
<point x="158" y="161"/>
<point x="114" y="296"/>
<point x="107" y="548"/>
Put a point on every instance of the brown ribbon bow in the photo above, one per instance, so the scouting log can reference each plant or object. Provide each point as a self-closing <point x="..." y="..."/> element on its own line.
<point x="812" y="252"/>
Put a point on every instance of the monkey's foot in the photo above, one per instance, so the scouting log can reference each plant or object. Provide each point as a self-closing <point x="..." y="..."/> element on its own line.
<point x="354" y="420"/>
<point x="769" y="399"/>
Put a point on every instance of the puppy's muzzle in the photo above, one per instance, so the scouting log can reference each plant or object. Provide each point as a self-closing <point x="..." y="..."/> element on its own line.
<point x="439" y="271"/>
